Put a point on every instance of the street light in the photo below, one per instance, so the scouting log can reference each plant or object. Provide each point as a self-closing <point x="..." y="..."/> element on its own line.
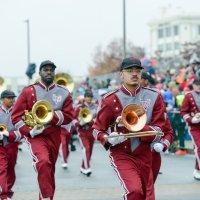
<point x="124" y="28"/>
<point x="28" y="42"/>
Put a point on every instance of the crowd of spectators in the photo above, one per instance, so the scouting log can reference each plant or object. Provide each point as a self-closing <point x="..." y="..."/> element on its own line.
<point x="172" y="83"/>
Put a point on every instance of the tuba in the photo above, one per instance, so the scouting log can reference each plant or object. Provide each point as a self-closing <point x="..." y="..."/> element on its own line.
<point x="3" y="127"/>
<point x="66" y="80"/>
<point x="40" y="114"/>
<point x="134" y="118"/>
<point x="85" y="115"/>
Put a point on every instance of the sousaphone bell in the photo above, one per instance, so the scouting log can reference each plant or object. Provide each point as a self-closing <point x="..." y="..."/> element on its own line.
<point x="3" y="127"/>
<point x="40" y="114"/>
<point x="85" y="115"/>
<point x="65" y="80"/>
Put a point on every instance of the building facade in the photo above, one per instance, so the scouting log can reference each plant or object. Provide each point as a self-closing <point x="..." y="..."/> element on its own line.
<point x="167" y="35"/>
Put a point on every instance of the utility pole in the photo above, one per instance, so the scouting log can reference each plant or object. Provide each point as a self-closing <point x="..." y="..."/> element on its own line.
<point x="28" y="46"/>
<point x="124" y="28"/>
<point x="28" y="41"/>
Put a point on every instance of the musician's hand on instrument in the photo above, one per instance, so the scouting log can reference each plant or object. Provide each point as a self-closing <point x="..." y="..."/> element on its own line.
<point x="195" y="120"/>
<point x="119" y="118"/>
<point x="119" y="121"/>
<point x="3" y="134"/>
<point x="116" y="140"/>
<point x="158" y="147"/>
<point x="36" y="131"/>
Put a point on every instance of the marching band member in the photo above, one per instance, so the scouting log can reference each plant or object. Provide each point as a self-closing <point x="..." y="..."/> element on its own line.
<point x="9" y="146"/>
<point x="44" y="141"/>
<point x="190" y="111"/>
<point x="130" y="158"/>
<point x="85" y="131"/>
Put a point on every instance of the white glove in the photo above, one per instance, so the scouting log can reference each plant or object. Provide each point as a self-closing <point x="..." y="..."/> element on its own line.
<point x="82" y="122"/>
<point x="116" y="140"/>
<point x="3" y="134"/>
<point x="195" y="120"/>
<point x="119" y="121"/>
<point x="158" y="147"/>
<point x="35" y="131"/>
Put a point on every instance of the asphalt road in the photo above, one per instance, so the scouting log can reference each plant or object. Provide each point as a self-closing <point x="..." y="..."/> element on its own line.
<point x="175" y="183"/>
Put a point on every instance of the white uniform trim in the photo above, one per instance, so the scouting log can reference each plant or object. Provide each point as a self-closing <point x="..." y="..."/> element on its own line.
<point x="60" y="117"/>
<point x="186" y="116"/>
<point x="118" y="174"/>
<point x="19" y="124"/>
<point x="18" y="136"/>
<point x="35" y="160"/>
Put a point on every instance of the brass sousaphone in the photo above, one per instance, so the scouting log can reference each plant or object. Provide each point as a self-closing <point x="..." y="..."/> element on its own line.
<point x="40" y="114"/>
<point x="64" y="79"/>
<point x="3" y="127"/>
<point x="85" y="115"/>
<point x="134" y="118"/>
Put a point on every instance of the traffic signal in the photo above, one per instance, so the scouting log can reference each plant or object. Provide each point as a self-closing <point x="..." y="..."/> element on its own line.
<point x="30" y="70"/>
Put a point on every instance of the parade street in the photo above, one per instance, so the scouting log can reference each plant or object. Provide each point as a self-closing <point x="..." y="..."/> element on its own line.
<point x="175" y="183"/>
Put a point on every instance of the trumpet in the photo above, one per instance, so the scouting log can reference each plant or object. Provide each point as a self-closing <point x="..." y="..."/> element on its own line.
<point x="66" y="80"/>
<point x="3" y="127"/>
<point x="40" y="114"/>
<point x="134" y="118"/>
<point x="85" y="115"/>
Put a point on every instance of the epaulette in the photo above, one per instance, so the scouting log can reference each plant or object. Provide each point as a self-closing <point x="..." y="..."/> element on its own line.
<point x="152" y="89"/>
<point x="109" y="93"/>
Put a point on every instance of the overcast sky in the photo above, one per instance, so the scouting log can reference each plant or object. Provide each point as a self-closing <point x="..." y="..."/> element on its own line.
<point x="67" y="31"/>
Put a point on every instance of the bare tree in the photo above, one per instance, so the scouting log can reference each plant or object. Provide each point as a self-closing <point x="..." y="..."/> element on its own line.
<point x="107" y="60"/>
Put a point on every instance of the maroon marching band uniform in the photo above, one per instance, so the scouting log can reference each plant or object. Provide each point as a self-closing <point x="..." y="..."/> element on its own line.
<point x="8" y="155"/>
<point x="44" y="147"/>
<point x="65" y="140"/>
<point x="191" y="106"/>
<point x="85" y="136"/>
<point x="132" y="158"/>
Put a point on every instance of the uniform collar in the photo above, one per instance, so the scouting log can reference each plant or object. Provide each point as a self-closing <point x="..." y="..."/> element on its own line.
<point x="128" y="92"/>
<point x="5" y="109"/>
<point x="45" y="87"/>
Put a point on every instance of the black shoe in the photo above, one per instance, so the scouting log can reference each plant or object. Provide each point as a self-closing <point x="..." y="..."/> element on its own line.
<point x="73" y="148"/>
<point x="88" y="174"/>
<point x="19" y="148"/>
